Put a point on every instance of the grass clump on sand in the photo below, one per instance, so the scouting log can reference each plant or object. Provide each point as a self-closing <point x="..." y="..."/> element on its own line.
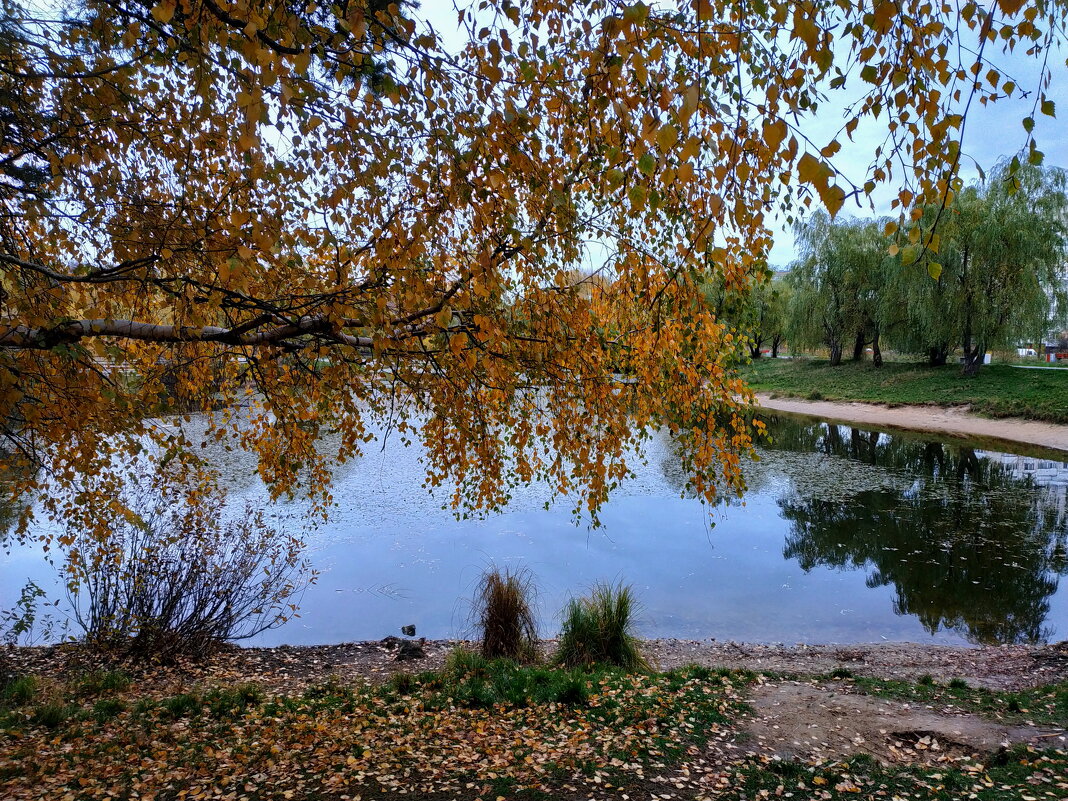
<point x="598" y="630"/>
<point x="505" y="617"/>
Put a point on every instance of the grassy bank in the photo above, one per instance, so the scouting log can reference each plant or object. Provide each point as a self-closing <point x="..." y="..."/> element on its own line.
<point x="997" y="391"/>
<point x="477" y="729"/>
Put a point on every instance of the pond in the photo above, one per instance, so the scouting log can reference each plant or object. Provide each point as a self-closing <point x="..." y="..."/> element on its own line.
<point x="844" y="535"/>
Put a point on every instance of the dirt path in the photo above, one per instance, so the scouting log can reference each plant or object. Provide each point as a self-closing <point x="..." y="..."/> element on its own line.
<point x="953" y="421"/>
<point x="825" y="721"/>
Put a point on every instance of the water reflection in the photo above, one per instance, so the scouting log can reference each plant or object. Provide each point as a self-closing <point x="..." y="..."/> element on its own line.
<point x="885" y="537"/>
<point x="968" y="542"/>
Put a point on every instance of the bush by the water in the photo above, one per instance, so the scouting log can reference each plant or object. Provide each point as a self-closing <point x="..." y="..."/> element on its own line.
<point x="176" y="577"/>
<point x="505" y="617"/>
<point x="598" y="630"/>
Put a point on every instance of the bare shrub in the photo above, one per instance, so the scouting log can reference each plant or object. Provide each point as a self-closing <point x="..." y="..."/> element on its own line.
<point x="504" y="614"/>
<point x="175" y="576"/>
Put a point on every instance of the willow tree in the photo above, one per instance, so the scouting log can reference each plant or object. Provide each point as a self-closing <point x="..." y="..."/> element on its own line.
<point x="324" y="209"/>
<point x="838" y="286"/>
<point x="1000" y="268"/>
<point x="765" y="321"/>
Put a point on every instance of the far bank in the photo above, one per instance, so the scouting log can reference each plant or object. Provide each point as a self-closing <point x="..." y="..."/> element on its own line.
<point x="993" y="403"/>
<point x="1040" y="439"/>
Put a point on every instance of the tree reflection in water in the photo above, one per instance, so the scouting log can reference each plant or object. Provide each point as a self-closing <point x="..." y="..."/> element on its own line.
<point x="966" y="542"/>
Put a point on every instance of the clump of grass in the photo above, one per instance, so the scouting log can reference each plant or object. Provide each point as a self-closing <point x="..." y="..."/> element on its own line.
<point x="927" y="680"/>
<point x="107" y="708"/>
<point x="841" y="673"/>
<point x="19" y="691"/>
<point x="470" y="680"/>
<point x="958" y="684"/>
<point x="232" y="701"/>
<point x="403" y="683"/>
<point x="50" y="715"/>
<point x="99" y="681"/>
<point x="505" y="617"/>
<point x="597" y="630"/>
<point x="180" y="706"/>
<point x="462" y="662"/>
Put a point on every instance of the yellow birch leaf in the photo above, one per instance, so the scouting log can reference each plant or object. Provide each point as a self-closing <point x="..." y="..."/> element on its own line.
<point x="774" y="133"/>
<point x="666" y="137"/>
<point x="811" y="170"/>
<point x="164" y="12"/>
<point x="833" y="198"/>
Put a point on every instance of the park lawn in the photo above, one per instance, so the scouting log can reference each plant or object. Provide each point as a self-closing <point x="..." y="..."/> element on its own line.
<point x="997" y="391"/>
<point x="492" y="730"/>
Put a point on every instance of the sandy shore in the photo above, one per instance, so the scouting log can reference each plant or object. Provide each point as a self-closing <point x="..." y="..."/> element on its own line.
<point x="951" y="421"/>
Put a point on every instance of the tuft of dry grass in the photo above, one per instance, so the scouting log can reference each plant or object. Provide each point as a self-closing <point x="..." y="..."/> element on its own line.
<point x="505" y="616"/>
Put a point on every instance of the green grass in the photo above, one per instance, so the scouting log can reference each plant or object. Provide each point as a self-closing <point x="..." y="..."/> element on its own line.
<point x="1046" y="705"/>
<point x="18" y="692"/>
<point x="103" y="681"/>
<point x="997" y="391"/>
<point x="233" y="701"/>
<point x="107" y="709"/>
<point x="472" y="681"/>
<point x="52" y="714"/>
<point x="598" y="630"/>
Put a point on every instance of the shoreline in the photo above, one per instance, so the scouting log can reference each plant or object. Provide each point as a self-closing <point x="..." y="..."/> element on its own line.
<point x="289" y="668"/>
<point x="1043" y="440"/>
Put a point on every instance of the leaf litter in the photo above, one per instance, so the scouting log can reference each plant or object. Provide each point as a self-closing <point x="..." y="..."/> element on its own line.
<point x="661" y="736"/>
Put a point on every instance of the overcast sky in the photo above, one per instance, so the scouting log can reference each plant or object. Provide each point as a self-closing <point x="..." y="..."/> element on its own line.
<point x="992" y="132"/>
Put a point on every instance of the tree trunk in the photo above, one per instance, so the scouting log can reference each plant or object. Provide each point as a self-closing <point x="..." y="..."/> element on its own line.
<point x="775" y="342"/>
<point x="754" y="351"/>
<point x="934" y="454"/>
<point x="876" y="351"/>
<point x="937" y="355"/>
<point x="968" y="464"/>
<point x="973" y="359"/>
<point x="836" y="353"/>
<point x="858" y="347"/>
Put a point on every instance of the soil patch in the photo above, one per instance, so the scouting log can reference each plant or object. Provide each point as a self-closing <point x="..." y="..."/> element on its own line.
<point x="824" y="721"/>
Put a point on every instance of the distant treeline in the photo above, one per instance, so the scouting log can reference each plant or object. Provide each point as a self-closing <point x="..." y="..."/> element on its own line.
<point x="986" y="269"/>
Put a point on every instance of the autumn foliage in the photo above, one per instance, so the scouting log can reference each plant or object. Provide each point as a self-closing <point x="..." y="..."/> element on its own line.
<point x="325" y="213"/>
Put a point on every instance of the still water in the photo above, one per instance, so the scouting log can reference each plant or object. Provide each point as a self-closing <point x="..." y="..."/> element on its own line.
<point x="845" y="535"/>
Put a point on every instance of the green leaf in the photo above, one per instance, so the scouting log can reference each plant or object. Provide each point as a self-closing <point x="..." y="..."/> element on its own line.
<point x="647" y="165"/>
<point x="1049" y="108"/>
<point x="934" y="269"/>
<point x="637" y="196"/>
<point x="1029" y="124"/>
